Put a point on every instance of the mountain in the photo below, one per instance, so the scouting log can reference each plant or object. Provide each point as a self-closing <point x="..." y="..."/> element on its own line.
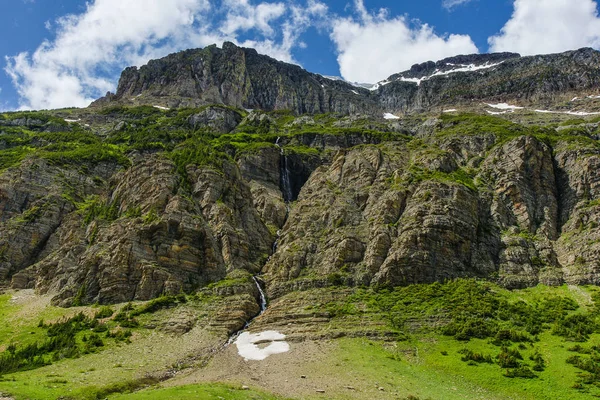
<point x="243" y="78"/>
<point x="243" y="226"/>
<point x="237" y="77"/>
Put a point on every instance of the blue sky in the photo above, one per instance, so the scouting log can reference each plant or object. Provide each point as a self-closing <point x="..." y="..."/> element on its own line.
<point x="63" y="53"/>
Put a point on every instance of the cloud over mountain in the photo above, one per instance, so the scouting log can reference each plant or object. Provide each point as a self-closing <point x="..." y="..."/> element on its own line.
<point x="549" y="26"/>
<point x="373" y="46"/>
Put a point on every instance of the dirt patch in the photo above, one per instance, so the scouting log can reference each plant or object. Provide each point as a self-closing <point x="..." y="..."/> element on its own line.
<point x="280" y="373"/>
<point x="31" y="305"/>
<point x="303" y="372"/>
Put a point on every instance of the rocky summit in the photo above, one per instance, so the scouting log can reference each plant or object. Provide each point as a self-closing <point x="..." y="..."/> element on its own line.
<point x="450" y="209"/>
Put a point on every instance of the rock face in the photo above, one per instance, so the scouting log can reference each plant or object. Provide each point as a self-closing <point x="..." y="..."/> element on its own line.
<point x="237" y="77"/>
<point x="243" y="78"/>
<point x="546" y="80"/>
<point x="478" y="207"/>
<point x="158" y="243"/>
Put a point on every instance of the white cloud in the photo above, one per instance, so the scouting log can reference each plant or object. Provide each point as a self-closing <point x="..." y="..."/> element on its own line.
<point x="450" y="4"/>
<point x="375" y="46"/>
<point x="91" y="48"/>
<point x="548" y="26"/>
<point x="241" y="16"/>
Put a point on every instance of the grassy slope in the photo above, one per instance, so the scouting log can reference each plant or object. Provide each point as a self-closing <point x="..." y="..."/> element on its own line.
<point x="193" y="392"/>
<point x="117" y="366"/>
<point x="415" y="366"/>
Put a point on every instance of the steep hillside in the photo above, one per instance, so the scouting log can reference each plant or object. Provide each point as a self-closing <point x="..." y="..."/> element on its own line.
<point x="145" y="201"/>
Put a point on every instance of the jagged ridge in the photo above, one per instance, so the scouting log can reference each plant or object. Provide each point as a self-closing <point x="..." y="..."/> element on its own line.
<point x="243" y="78"/>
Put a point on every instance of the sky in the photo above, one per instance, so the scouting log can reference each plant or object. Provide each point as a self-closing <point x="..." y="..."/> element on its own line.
<point x="66" y="53"/>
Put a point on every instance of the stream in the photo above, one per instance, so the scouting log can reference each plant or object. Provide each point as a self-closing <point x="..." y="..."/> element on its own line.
<point x="286" y="190"/>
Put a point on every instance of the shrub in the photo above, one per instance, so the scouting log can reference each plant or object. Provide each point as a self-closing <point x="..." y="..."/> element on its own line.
<point x="155" y="305"/>
<point x="576" y="327"/>
<point x="510" y="335"/>
<point x="469" y="355"/>
<point x="509" y="358"/>
<point x="104" y="312"/>
<point x="539" y="362"/>
<point x="520" y="372"/>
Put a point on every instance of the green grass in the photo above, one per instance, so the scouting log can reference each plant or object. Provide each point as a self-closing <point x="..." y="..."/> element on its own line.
<point x="192" y="392"/>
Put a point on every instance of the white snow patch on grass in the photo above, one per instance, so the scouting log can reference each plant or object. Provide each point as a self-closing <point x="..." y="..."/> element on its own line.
<point x="504" y="106"/>
<point x="450" y="110"/>
<point x="355" y="92"/>
<point x="390" y="116"/>
<point x="247" y="345"/>
<point x="581" y="113"/>
<point x="498" y="112"/>
<point x="575" y="99"/>
<point x="162" y="108"/>
<point x="577" y="113"/>
<point x="593" y="97"/>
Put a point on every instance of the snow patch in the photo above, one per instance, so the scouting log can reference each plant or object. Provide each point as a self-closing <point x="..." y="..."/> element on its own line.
<point x="162" y="108"/>
<point x="498" y="112"/>
<point x="577" y="113"/>
<point x="355" y="92"/>
<point x="413" y="80"/>
<point x="593" y="97"/>
<point x="247" y="345"/>
<point x="581" y="113"/>
<point x="575" y="99"/>
<point x="461" y="68"/>
<point x="390" y="116"/>
<point x="72" y="120"/>
<point x="355" y="84"/>
<point x="504" y="106"/>
<point x="378" y="85"/>
<point x="450" y="110"/>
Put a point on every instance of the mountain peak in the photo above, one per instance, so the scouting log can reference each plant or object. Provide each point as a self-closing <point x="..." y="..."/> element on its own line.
<point x="241" y="77"/>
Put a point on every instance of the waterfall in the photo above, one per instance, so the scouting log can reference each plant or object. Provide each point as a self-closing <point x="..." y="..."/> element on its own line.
<point x="263" y="308"/>
<point x="285" y="182"/>
<point x="263" y="297"/>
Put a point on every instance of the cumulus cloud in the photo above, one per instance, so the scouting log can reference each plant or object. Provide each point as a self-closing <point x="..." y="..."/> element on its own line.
<point x="299" y="18"/>
<point x="450" y="4"/>
<point x="547" y="26"/>
<point x="241" y="16"/>
<point x="373" y="46"/>
<point x="91" y="48"/>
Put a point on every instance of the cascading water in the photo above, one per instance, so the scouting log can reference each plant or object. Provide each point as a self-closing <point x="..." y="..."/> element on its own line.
<point x="263" y="308"/>
<point x="286" y="189"/>
<point x="263" y="297"/>
<point x="286" y="184"/>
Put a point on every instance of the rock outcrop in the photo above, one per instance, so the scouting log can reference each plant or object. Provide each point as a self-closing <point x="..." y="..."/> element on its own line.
<point x="243" y="78"/>
<point x="477" y="207"/>
<point x="238" y="77"/>
<point x="157" y="242"/>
